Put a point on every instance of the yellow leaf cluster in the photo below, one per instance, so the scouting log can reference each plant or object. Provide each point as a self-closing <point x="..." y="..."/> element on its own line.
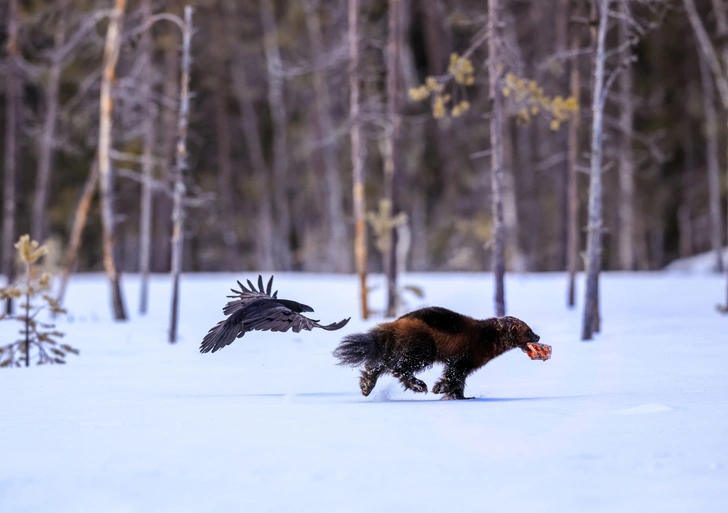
<point x="425" y="90"/>
<point x="530" y="98"/>
<point x="30" y="250"/>
<point x="438" y="106"/>
<point x="460" y="109"/>
<point x="461" y="69"/>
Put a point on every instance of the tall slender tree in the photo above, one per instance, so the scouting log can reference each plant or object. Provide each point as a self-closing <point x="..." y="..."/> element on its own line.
<point x="180" y="189"/>
<point x="720" y="74"/>
<point x="357" y="157"/>
<point x="572" y="243"/>
<point x="277" y="103"/>
<point x="590" y="322"/>
<point x="106" y="182"/>
<point x="46" y="142"/>
<point x="148" y="159"/>
<point x="79" y="223"/>
<point x="392" y="154"/>
<point x="496" y="156"/>
<point x="626" y="154"/>
<point x="226" y="184"/>
<point x="711" y="150"/>
<point x="12" y="104"/>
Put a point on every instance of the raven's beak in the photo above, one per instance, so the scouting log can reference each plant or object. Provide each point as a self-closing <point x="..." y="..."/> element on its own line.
<point x="306" y="308"/>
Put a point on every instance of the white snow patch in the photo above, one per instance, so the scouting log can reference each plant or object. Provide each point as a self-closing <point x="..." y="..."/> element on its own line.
<point x="644" y="409"/>
<point x="634" y="421"/>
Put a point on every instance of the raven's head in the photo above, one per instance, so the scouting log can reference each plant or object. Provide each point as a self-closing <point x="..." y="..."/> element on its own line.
<point x="295" y="306"/>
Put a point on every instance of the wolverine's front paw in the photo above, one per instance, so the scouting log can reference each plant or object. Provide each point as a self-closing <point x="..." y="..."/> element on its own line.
<point x="416" y="385"/>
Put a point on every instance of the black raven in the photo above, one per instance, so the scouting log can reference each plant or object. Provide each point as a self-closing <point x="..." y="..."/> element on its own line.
<point x="257" y="309"/>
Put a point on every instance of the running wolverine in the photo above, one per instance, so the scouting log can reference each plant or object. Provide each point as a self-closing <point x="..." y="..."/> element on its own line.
<point x="417" y="340"/>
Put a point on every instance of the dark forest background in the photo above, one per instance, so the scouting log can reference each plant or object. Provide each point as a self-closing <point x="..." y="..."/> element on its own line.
<point x="264" y="198"/>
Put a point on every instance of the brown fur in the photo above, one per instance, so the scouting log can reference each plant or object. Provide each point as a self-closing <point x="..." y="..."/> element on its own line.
<point x="431" y="335"/>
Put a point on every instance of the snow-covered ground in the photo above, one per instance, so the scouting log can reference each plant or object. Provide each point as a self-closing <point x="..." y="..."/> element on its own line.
<point x="636" y="421"/>
<point x="701" y="263"/>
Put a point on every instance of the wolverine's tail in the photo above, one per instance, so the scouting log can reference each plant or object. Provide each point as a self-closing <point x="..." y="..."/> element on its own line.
<point x="359" y="348"/>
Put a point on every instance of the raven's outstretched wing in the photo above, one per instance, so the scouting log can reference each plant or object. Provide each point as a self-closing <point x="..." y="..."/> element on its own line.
<point x="273" y="316"/>
<point x="246" y="296"/>
<point x="257" y="309"/>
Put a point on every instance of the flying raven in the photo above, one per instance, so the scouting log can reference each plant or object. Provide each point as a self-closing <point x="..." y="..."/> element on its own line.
<point x="257" y="309"/>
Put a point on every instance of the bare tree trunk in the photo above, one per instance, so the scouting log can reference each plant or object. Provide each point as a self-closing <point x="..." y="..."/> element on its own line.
<point x="711" y="132"/>
<point x="178" y="214"/>
<point x="12" y="103"/>
<point x="722" y="21"/>
<point x="163" y="204"/>
<point x="336" y="251"/>
<point x="711" y="56"/>
<point x="561" y="28"/>
<point x="626" y="155"/>
<point x="392" y="149"/>
<point x="111" y="56"/>
<point x="594" y="229"/>
<point x="79" y="223"/>
<point x="357" y="158"/>
<point x="39" y="224"/>
<point x="145" y="215"/>
<point x="572" y="244"/>
<point x="226" y="184"/>
<point x="496" y="158"/>
<point x="277" y="104"/>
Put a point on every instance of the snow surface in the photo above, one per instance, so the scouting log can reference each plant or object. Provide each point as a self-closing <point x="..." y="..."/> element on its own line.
<point x="636" y="421"/>
<point x="700" y="263"/>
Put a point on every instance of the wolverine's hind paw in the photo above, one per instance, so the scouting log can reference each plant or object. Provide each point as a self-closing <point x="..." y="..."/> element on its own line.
<point x="438" y="388"/>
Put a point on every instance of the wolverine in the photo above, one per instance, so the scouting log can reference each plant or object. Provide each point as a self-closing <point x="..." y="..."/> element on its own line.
<point x="419" y="339"/>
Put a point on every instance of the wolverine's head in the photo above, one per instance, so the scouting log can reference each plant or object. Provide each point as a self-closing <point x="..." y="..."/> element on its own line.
<point x="521" y="335"/>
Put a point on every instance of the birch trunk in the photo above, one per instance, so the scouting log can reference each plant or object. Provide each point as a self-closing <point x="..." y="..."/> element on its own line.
<point x="336" y="253"/>
<point x="163" y="203"/>
<point x="145" y="214"/>
<point x="179" y="190"/>
<point x="111" y="56"/>
<point x="277" y="104"/>
<point x="711" y="56"/>
<point x="392" y="150"/>
<point x="39" y="225"/>
<point x="79" y="223"/>
<point x="711" y="133"/>
<point x="626" y="155"/>
<point x="357" y="158"/>
<point x="496" y="159"/>
<point x="590" y="323"/>
<point x="572" y="243"/>
<point x="12" y="102"/>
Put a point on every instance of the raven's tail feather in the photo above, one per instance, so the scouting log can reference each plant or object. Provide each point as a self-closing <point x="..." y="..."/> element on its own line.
<point x="359" y="348"/>
<point x="220" y="335"/>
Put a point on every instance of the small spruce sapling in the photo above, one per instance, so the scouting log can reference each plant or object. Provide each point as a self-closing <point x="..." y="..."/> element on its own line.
<point x="37" y="337"/>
